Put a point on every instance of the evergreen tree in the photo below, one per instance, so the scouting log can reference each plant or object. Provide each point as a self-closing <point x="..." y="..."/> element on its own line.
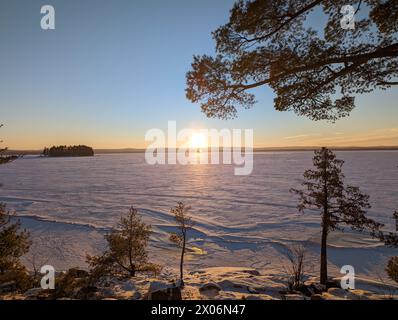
<point x="184" y="223"/>
<point x="391" y="239"/>
<point x="339" y="205"/>
<point x="392" y="268"/>
<point x="14" y="243"/>
<point x="127" y="249"/>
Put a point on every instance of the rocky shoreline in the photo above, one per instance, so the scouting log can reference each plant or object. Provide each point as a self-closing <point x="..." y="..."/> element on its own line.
<point x="205" y="284"/>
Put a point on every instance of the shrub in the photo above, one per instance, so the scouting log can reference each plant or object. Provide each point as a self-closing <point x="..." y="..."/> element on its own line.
<point x="296" y="268"/>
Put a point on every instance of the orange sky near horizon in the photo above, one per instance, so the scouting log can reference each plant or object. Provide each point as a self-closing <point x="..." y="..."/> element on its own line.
<point x="380" y="137"/>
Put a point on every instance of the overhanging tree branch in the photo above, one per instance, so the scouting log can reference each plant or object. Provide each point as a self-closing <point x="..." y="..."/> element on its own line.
<point x="294" y="61"/>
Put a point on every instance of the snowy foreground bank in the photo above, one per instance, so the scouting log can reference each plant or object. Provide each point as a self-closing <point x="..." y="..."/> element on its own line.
<point x="215" y="283"/>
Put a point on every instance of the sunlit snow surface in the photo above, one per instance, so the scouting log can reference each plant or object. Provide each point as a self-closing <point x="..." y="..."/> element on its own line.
<point x="68" y="204"/>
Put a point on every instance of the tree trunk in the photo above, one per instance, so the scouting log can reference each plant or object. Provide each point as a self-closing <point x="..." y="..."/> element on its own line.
<point x="182" y="262"/>
<point x="132" y="272"/>
<point x="324" y="258"/>
<point x="325" y="224"/>
<point x="132" y="265"/>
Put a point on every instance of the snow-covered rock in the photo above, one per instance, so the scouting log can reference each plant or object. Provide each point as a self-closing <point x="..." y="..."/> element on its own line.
<point x="210" y="289"/>
<point x="8" y="286"/>
<point x="295" y="296"/>
<point x="34" y="292"/>
<point x="161" y="290"/>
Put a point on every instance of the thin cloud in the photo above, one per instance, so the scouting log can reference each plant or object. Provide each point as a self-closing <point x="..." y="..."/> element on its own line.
<point x="380" y="137"/>
<point x="377" y="137"/>
<point x="300" y="136"/>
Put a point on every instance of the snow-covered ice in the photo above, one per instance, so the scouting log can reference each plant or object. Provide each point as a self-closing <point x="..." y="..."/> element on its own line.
<point x="240" y="221"/>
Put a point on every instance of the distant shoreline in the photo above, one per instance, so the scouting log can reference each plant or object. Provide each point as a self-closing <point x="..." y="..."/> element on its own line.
<point x="265" y="149"/>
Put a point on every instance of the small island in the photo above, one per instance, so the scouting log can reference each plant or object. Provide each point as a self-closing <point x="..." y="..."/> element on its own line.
<point x="68" y="151"/>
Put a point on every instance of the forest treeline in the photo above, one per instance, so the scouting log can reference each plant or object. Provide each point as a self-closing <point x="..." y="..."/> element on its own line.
<point x="68" y="151"/>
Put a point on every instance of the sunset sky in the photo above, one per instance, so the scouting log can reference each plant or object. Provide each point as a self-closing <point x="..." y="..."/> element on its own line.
<point x="114" y="69"/>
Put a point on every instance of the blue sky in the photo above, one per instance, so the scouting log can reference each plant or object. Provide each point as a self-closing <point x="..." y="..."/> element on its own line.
<point x="114" y="69"/>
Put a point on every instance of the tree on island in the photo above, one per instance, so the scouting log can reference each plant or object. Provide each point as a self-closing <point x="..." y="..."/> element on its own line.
<point x="68" y="151"/>
<point x="340" y="205"/>
<point x="267" y="43"/>
<point x="127" y="249"/>
<point x="184" y="223"/>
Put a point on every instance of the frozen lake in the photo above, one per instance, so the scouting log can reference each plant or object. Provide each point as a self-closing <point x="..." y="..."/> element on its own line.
<point x="69" y="203"/>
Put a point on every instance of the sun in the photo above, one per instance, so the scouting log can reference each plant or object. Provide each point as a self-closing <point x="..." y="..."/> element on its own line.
<point x="198" y="141"/>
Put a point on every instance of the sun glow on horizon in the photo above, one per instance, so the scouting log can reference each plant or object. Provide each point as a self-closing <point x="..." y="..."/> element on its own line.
<point x="198" y="141"/>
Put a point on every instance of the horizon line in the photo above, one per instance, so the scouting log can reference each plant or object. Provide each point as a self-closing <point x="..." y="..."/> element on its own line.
<point x="255" y="149"/>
